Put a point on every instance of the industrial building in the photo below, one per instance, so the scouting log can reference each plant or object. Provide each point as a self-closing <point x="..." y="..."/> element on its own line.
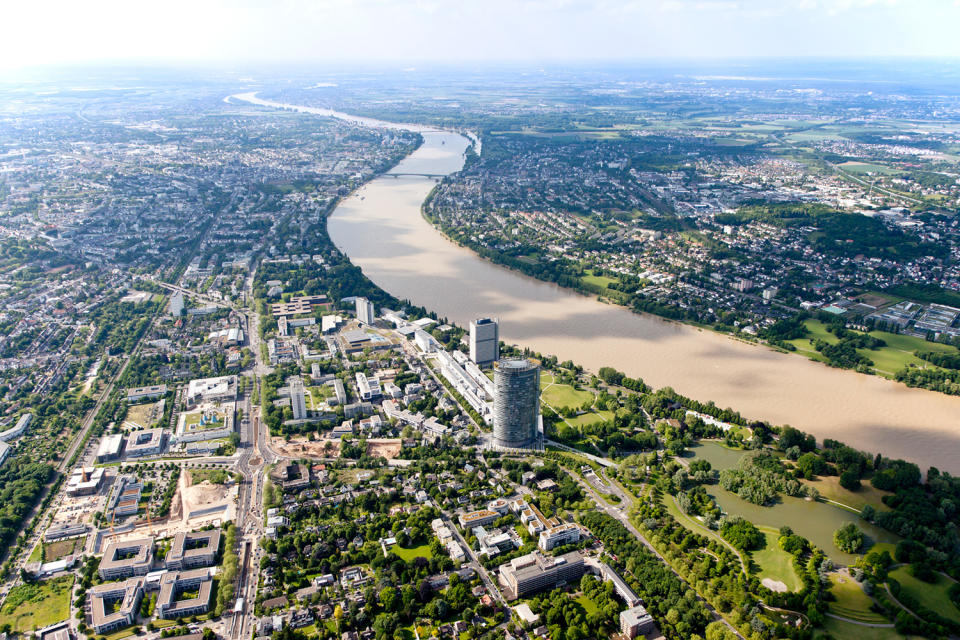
<point x="516" y="403"/>
<point x="485" y="341"/>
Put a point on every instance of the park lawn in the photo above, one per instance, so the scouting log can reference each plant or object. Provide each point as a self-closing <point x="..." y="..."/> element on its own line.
<point x="597" y="282"/>
<point x="37" y="604"/>
<point x="775" y="563"/>
<point x="408" y="554"/>
<point x="933" y="596"/>
<point x="815" y="330"/>
<point x="840" y="630"/>
<point x="899" y="351"/>
<point x="589" y="606"/>
<point x="690" y="522"/>
<point x="563" y="395"/>
<point x="851" y="602"/>
<point x="830" y="489"/>
<point x="119" y="635"/>
<point x="590" y="418"/>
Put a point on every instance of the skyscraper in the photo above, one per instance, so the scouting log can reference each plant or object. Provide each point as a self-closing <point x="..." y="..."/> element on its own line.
<point x="365" y="311"/>
<point x="485" y="341"/>
<point x="516" y="402"/>
<point x="297" y="400"/>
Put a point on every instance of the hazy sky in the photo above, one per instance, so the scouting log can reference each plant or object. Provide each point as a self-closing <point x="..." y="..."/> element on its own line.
<point x="43" y="32"/>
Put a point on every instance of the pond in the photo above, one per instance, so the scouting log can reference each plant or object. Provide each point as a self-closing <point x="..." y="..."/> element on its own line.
<point x="815" y="521"/>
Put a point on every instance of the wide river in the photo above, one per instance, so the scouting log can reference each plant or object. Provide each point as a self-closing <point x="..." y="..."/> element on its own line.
<point x="381" y="229"/>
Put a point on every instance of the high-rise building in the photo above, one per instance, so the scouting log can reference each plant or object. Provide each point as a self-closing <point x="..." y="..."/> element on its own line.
<point x="365" y="311"/>
<point x="516" y="402"/>
<point x="297" y="398"/>
<point x="176" y="304"/>
<point x="485" y="341"/>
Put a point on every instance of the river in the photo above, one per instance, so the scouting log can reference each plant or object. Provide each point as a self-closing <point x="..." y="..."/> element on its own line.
<point x="381" y="229"/>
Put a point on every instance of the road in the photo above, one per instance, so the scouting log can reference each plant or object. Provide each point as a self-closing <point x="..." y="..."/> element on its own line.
<point x="618" y="514"/>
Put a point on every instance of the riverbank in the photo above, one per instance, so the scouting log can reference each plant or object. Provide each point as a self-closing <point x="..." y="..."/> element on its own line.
<point x="382" y="230"/>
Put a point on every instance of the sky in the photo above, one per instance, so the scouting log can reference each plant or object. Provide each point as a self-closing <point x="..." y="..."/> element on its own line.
<point x="203" y="32"/>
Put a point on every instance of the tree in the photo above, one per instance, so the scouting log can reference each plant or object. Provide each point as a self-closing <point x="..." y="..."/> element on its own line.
<point x="848" y="538"/>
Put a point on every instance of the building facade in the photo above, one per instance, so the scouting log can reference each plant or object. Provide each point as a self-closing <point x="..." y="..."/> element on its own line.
<point x="485" y="341"/>
<point x="516" y="403"/>
<point x="365" y="312"/>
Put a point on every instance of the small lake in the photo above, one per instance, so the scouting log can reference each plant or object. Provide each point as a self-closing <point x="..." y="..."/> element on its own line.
<point x="815" y="521"/>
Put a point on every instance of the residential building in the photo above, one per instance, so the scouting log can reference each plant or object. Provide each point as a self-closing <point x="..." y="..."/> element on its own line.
<point x="18" y="429"/>
<point x="635" y="621"/>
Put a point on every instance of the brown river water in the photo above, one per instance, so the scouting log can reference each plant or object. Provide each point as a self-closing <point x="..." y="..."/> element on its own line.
<point x="381" y="229"/>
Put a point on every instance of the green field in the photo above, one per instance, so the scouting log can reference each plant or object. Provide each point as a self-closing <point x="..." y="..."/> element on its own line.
<point x="588" y="605"/>
<point x="932" y="596"/>
<point x="37" y="604"/>
<point x="887" y="360"/>
<point x="408" y="554"/>
<point x="851" y="602"/>
<point x="839" y="630"/>
<point x="559" y="396"/>
<point x="598" y="283"/>
<point x="591" y="417"/>
<point x="775" y="563"/>
<point x="830" y="489"/>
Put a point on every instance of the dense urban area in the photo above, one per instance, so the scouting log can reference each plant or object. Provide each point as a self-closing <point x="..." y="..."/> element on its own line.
<point x="213" y="425"/>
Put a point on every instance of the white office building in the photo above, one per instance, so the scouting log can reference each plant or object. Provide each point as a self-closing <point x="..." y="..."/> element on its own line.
<point x="485" y="341"/>
<point x="298" y="400"/>
<point x="365" y="312"/>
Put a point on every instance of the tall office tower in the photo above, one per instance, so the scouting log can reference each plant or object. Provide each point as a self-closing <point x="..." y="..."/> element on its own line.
<point x="365" y="311"/>
<point x="297" y="400"/>
<point x="516" y="402"/>
<point x="176" y="304"/>
<point x="485" y="341"/>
